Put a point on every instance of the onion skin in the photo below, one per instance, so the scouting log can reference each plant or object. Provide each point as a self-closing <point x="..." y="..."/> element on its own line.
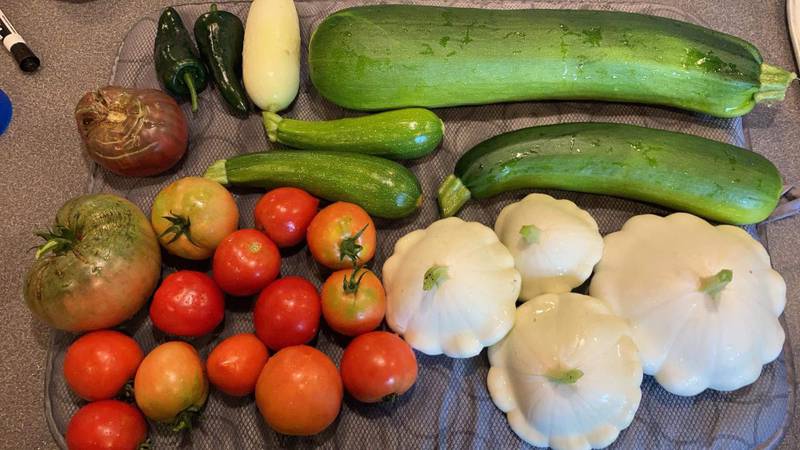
<point x="132" y="132"/>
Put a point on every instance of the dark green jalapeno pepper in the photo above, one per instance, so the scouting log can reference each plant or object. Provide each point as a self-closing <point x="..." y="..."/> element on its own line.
<point x="220" y="36"/>
<point x="177" y="64"/>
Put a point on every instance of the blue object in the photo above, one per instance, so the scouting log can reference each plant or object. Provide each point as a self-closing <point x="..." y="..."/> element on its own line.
<point x="5" y="111"/>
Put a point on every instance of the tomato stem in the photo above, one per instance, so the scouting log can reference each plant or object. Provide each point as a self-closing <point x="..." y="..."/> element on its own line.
<point x="186" y="419"/>
<point x="350" y="248"/>
<point x="58" y="240"/>
<point x="350" y="284"/>
<point x="181" y="226"/>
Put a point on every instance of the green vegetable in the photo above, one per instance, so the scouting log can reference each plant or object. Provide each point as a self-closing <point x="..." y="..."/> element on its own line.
<point x="687" y="173"/>
<point x="220" y="36"/>
<point x="393" y="56"/>
<point x="383" y="188"/>
<point x="401" y="134"/>
<point x="177" y="64"/>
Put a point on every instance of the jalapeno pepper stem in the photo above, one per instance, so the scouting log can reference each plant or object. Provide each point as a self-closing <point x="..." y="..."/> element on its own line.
<point x="187" y="78"/>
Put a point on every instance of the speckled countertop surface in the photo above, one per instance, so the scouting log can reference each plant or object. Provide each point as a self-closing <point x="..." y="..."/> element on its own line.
<point x="43" y="165"/>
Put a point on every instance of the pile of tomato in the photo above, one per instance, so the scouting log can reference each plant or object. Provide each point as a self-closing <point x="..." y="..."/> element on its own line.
<point x="197" y="219"/>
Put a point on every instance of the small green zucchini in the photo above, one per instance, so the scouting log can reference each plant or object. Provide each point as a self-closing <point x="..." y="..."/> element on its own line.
<point x="711" y="179"/>
<point x="394" y="56"/>
<point x="401" y="134"/>
<point x="383" y="188"/>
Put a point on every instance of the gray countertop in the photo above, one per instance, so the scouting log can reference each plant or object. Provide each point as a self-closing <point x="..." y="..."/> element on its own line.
<point x="43" y="165"/>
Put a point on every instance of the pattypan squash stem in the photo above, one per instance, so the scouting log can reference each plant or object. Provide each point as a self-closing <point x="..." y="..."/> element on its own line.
<point x="530" y="233"/>
<point x="434" y="277"/>
<point x="561" y="376"/>
<point x="714" y="284"/>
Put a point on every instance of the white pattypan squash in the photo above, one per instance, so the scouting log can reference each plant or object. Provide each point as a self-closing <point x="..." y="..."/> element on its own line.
<point x="568" y="374"/>
<point x="555" y="244"/>
<point x="703" y="300"/>
<point x="451" y="288"/>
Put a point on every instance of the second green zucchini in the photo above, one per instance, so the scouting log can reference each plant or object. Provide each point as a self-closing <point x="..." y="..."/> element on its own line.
<point x="711" y="179"/>
<point x="402" y="134"/>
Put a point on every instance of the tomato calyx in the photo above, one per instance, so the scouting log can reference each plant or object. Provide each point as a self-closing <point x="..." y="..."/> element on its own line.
<point x="186" y="419"/>
<point x="391" y="398"/>
<point x="350" y="284"/>
<point x="181" y="226"/>
<point x="126" y="394"/>
<point x="146" y="445"/>
<point x="350" y="248"/>
<point x="58" y="240"/>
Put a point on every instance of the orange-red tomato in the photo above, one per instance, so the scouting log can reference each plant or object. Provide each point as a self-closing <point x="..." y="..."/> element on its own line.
<point x="353" y="304"/>
<point x="235" y="363"/>
<point x="245" y="262"/>
<point x="284" y="215"/>
<point x="98" y="364"/>
<point x="378" y="366"/>
<point x="339" y="233"/>
<point x="299" y="392"/>
<point x="106" y="424"/>
<point x="171" y="380"/>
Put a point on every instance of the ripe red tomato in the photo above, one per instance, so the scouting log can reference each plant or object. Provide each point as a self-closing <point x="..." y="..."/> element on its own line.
<point x="171" y="385"/>
<point x="107" y="424"/>
<point x="284" y="215"/>
<point x="299" y="392"/>
<point x="353" y="304"/>
<point x="187" y="304"/>
<point x="378" y="366"/>
<point x="98" y="364"/>
<point x="235" y="363"/>
<point x="287" y="313"/>
<point x="341" y="233"/>
<point x="245" y="262"/>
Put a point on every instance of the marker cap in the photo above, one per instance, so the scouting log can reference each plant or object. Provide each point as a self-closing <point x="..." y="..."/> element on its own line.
<point x="27" y="61"/>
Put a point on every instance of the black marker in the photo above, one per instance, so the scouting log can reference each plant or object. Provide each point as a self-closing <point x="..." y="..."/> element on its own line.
<point x="14" y="43"/>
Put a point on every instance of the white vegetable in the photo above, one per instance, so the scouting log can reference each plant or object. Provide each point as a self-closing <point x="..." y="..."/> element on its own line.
<point x="451" y="288"/>
<point x="703" y="300"/>
<point x="555" y="244"/>
<point x="568" y="374"/>
<point x="271" y="54"/>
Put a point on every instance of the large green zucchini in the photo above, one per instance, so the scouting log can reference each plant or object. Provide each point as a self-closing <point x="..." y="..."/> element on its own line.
<point x="711" y="179"/>
<point x="392" y="56"/>
<point x="383" y="188"/>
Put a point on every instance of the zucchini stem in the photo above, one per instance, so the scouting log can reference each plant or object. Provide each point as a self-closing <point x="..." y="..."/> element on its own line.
<point x="774" y="83"/>
<point x="271" y="123"/>
<point x="453" y="194"/>
<point x="187" y="78"/>
<point x="218" y="172"/>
